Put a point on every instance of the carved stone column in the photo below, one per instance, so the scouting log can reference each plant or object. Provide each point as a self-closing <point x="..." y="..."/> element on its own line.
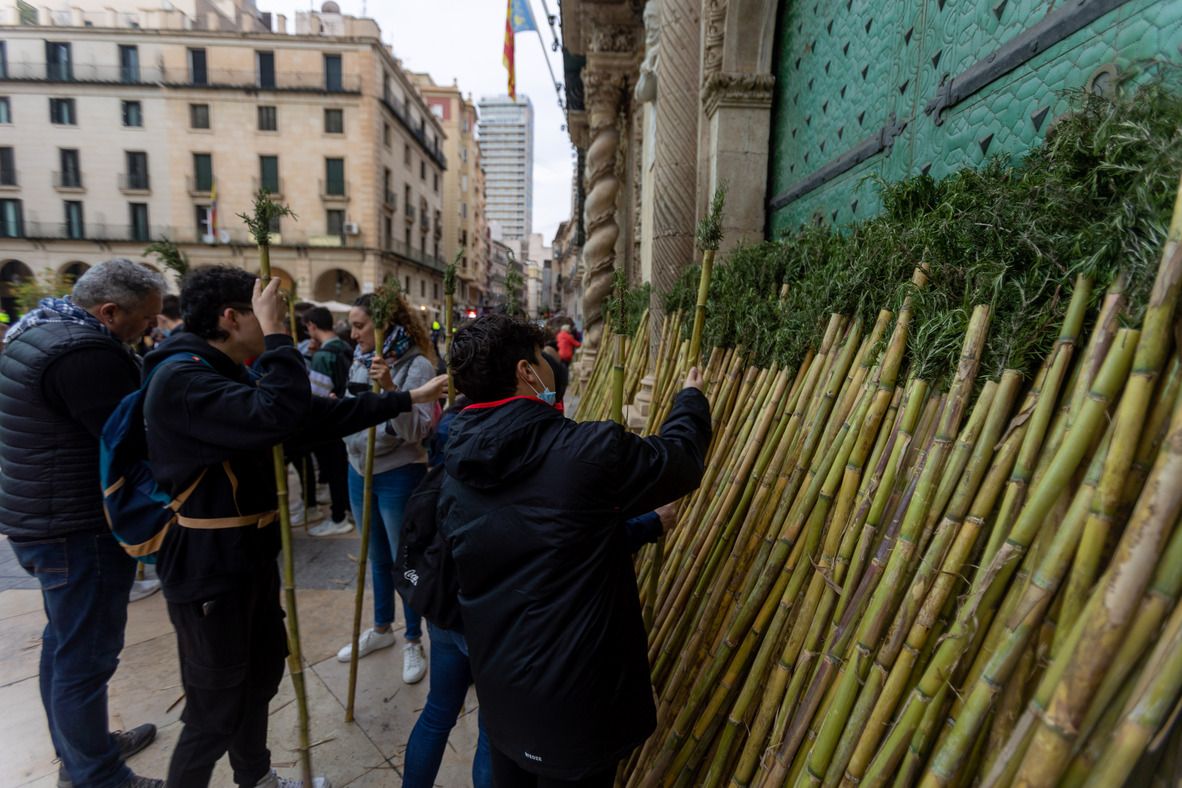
<point x="604" y="90"/>
<point x="738" y="108"/>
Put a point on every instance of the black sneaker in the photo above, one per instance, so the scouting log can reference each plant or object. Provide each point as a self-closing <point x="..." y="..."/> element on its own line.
<point x="143" y="782"/>
<point x="130" y="742"/>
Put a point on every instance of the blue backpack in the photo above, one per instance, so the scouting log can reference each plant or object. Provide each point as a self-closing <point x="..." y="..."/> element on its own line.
<point x="138" y="511"/>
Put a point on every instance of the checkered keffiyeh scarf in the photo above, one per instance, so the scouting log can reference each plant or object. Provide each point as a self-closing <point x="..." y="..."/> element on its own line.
<point x="55" y="310"/>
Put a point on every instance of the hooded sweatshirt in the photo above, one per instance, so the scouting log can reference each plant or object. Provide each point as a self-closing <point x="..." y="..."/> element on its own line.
<point x="401" y="441"/>
<point x="214" y="420"/>
<point x="532" y="508"/>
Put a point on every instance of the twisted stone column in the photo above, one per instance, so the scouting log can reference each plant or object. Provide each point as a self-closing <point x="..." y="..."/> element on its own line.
<point x="604" y="92"/>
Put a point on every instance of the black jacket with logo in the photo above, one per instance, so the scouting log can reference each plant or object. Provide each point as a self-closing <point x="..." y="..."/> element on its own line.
<point x="213" y="416"/>
<point x="532" y="508"/>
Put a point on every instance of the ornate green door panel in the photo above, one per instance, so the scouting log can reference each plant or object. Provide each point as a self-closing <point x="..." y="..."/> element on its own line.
<point x="892" y="88"/>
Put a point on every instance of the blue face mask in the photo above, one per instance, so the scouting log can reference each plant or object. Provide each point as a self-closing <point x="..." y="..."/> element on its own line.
<point x="547" y="395"/>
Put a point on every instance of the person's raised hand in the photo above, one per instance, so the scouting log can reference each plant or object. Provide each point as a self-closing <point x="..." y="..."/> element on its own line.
<point x="694" y="379"/>
<point x="668" y="515"/>
<point x="268" y="307"/>
<point x="430" y="391"/>
<point x="379" y="371"/>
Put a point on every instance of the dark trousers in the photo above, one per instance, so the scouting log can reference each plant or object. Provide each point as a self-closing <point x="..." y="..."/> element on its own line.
<point x="507" y="774"/>
<point x="333" y="460"/>
<point x="231" y="651"/>
<point x="85" y="579"/>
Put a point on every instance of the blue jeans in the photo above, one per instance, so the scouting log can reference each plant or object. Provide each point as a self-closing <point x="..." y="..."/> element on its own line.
<point x="391" y="490"/>
<point x="85" y="579"/>
<point x="451" y="676"/>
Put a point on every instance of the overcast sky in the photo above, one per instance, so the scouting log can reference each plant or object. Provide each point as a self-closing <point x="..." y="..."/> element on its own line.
<point x="462" y="40"/>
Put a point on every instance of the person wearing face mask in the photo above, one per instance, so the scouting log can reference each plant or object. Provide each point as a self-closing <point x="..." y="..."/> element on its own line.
<point x="400" y="463"/>
<point x="532" y="509"/>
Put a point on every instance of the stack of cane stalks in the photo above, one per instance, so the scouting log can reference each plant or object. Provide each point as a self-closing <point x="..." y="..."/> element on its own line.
<point x="937" y="537"/>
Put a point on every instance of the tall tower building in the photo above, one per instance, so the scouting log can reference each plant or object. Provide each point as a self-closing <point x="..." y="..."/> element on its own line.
<point x="507" y="151"/>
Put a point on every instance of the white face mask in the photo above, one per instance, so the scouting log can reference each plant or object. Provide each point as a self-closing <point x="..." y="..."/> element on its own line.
<point x="546" y="395"/>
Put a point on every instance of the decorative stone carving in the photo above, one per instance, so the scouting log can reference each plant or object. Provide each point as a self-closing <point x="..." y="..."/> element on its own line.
<point x="715" y="32"/>
<point x="613" y="39"/>
<point x="604" y="91"/>
<point x="646" y="85"/>
<point x="752" y="90"/>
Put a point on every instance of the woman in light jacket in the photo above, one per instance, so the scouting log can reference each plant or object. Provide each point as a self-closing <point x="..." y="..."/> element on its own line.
<point x="400" y="462"/>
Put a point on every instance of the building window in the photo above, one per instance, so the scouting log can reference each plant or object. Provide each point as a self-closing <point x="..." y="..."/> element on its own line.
<point x="422" y="288"/>
<point x="409" y="207"/>
<point x="58" y="63"/>
<point x="202" y="172"/>
<point x="268" y="119"/>
<point x="334" y="222"/>
<point x="334" y="121"/>
<point x="129" y="63"/>
<point x="407" y="288"/>
<point x="5" y="110"/>
<point x="275" y="225"/>
<point x="332" y="73"/>
<point x="137" y="169"/>
<point x="334" y="177"/>
<point x="422" y="169"/>
<point x="387" y="192"/>
<point x="7" y="167"/>
<point x="198" y="73"/>
<point x="265" y="64"/>
<point x="408" y="252"/>
<point x="71" y="172"/>
<point x="3" y="60"/>
<point x="133" y="113"/>
<point x="435" y="179"/>
<point x="435" y="287"/>
<point x="406" y="155"/>
<point x="205" y="223"/>
<point x="139" y="221"/>
<point x="269" y="174"/>
<point x="464" y="184"/>
<point x="74" y="226"/>
<point x="386" y="134"/>
<point x="61" y="111"/>
<point x="12" y="223"/>
<point x="199" y="116"/>
<point x="388" y="234"/>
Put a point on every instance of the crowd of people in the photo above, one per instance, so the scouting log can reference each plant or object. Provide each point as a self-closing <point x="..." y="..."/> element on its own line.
<point x="536" y="518"/>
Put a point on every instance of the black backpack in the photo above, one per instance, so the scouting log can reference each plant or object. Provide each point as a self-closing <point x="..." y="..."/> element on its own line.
<point x="424" y="572"/>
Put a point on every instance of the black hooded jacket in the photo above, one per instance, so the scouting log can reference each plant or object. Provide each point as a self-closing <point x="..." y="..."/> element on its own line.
<point x="211" y="416"/>
<point x="532" y="508"/>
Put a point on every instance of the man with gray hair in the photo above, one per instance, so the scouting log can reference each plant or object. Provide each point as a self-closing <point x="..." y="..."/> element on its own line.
<point x="65" y="366"/>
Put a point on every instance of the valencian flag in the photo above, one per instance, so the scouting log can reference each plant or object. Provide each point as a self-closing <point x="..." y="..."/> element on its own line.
<point x="519" y="18"/>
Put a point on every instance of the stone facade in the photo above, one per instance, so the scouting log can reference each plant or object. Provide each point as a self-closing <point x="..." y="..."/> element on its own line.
<point x="325" y="117"/>
<point x="465" y="231"/>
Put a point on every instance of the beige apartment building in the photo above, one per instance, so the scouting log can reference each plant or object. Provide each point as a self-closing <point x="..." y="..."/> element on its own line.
<point x="118" y="127"/>
<point x="465" y="229"/>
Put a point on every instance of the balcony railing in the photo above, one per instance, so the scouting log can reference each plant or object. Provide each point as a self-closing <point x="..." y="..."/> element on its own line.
<point x="410" y="213"/>
<point x="9" y="179"/>
<point x="308" y="81"/>
<point x="332" y="190"/>
<point x="68" y="181"/>
<point x="391" y="200"/>
<point x="134" y="182"/>
<point x="398" y="110"/>
<point x="417" y="255"/>
<point x="272" y="185"/>
<point x="197" y="187"/>
<point x="96" y="231"/>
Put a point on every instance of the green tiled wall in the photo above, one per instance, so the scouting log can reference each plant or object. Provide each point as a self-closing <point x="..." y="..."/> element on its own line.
<point x="843" y="68"/>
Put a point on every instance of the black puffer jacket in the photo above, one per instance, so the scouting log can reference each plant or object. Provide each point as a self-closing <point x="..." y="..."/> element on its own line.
<point x="210" y="415"/>
<point x="49" y="485"/>
<point x="532" y="508"/>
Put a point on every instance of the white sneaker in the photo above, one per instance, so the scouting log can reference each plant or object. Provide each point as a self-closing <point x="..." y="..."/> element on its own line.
<point x="143" y="588"/>
<point x="273" y="780"/>
<point x="331" y="528"/>
<point x="414" y="664"/>
<point x="371" y="640"/>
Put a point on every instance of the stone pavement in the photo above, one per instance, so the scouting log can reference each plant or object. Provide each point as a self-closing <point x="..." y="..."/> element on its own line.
<point x="146" y="687"/>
